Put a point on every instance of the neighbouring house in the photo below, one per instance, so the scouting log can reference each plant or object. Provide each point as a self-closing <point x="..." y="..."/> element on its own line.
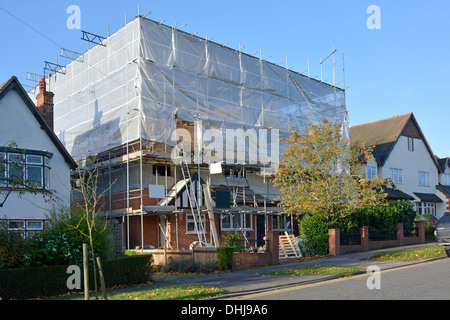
<point x="443" y="188"/>
<point x="35" y="166"/>
<point x="402" y="153"/>
<point x="121" y="107"/>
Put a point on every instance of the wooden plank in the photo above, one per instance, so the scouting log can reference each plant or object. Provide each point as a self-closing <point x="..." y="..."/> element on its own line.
<point x="208" y="199"/>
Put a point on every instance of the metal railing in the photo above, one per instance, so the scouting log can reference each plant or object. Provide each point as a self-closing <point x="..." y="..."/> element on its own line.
<point x="350" y="239"/>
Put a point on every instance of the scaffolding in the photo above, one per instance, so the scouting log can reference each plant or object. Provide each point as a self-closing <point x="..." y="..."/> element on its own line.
<point x="118" y="105"/>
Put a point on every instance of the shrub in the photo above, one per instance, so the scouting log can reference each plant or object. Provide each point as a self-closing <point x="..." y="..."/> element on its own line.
<point x="12" y="248"/>
<point x="225" y="258"/>
<point x="53" y="247"/>
<point x="26" y="283"/>
<point x="313" y="231"/>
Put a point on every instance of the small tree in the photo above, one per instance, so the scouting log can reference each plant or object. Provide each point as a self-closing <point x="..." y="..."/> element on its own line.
<point x="320" y="174"/>
<point x="84" y="217"/>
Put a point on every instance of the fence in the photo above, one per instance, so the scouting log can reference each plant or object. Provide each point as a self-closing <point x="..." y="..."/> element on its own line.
<point x="199" y="255"/>
<point x="372" y="239"/>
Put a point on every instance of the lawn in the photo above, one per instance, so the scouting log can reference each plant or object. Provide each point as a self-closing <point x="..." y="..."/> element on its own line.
<point x="318" y="270"/>
<point x="181" y="292"/>
<point x="410" y="255"/>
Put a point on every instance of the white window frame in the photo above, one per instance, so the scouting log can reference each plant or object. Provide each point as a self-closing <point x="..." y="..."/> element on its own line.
<point x="283" y="220"/>
<point x="426" y="208"/>
<point x="190" y="221"/>
<point x="16" y="221"/>
<point x="34" y="228"/>
<point x="232" y="222"/>
<point x="371" y="172"/>
<point x="396" y="175"/>
<point x="424" y="179"/>
<point x="26" y="161"/>
<point x="411" y="144"/>
<point x="446" y="179"/>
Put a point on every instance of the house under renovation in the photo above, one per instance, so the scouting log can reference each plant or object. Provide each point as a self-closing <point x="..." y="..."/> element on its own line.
<point x="185" y="133"/>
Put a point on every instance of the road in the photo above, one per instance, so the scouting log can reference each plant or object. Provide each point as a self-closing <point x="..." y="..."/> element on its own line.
<point x="423" y="281"/>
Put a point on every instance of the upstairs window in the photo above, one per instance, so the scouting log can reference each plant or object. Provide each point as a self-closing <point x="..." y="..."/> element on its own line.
<point x="411" y="144"/>
<point x="22" y="170"/>
<point x="370" y="172"/>
<point x="424" y="179"/>
<point x="446" y="180"/>
<point x="396" y="176"/>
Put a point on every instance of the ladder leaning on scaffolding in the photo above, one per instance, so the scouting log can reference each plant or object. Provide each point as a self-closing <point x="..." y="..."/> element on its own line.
<point x="192" y="199"/>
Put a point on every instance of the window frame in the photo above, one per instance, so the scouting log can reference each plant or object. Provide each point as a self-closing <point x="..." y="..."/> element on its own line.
<point x="14" y="160"/>
<point x="410" y="144"/>
<point x="286" y="221"/>
<point x="232" y="223"/>
<point x="190" y="220"/>
<point x="424" y="178"/>
<point x="371" y="172"/>
<point x="399" y="179"/>
<point x="424" y="207"/>
<point x="446" y="179"/>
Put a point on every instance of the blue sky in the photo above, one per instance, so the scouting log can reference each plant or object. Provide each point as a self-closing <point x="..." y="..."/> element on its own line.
<point x="397" y="69"/>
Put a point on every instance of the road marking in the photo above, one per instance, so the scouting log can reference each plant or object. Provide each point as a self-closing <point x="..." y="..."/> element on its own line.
<point x="305" y="286"/>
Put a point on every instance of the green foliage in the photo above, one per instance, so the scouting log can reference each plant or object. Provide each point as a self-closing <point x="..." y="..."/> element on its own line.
<point x="70" y="221"/>
<point x="12" y="248"/>
<point x="225" y="258"/>
<point x="381" y="217"/>
<point x="320" y="174"/>
<point x="53" y="247"/>
<point x="313" y="230"/>
<point x="26" y="283"/>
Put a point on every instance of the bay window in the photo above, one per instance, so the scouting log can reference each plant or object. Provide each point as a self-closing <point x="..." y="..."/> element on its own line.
<point x="24" y="169"/>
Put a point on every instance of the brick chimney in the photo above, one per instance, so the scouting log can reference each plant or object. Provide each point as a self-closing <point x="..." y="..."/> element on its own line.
<point x="45" y="103"/>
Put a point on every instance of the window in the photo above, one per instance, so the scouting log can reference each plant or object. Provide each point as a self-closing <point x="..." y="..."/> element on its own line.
<point x="3" y="169"/>
<point x="424" y="178"/>
<point x="35" y="225"/>
<point x="236" y="221"/>
<point x="370" y="172"/>
<point x="16" y="225"/>
<point x="193" y="224"/>
<point x="446" y="180"/>
<point x="425" y="208"/>
<point x="16" y="173"/>
<point x="161" y="170"/>
<point x="20" y="170"/>
<point x="396" y="176"/>
<point x="411" y="144"/>
<point x="27" y="228"/>
<point x="281" y="223"/>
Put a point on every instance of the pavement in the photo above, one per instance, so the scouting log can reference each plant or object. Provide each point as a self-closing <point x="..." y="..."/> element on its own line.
<point x="253" y="280"/>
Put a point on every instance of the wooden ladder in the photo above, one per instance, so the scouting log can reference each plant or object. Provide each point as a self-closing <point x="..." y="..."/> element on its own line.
<point x="288" y="247"/>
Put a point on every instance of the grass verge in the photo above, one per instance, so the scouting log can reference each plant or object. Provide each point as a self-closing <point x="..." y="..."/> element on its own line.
<point x="317" y="270"/>
<point x="410" y="255"/>
<point x="181" y="292"/>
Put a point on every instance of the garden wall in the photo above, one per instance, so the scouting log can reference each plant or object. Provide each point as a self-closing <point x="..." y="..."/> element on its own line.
<point x="364" y="242"/>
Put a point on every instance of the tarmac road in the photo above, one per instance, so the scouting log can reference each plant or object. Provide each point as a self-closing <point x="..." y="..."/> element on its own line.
<point x="422" y="281"/>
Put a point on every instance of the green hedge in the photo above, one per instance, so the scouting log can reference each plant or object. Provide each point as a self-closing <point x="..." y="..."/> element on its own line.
<point x="314" y="229"/>
<point x="26" y="283"/>
<point x="225" y="258"/>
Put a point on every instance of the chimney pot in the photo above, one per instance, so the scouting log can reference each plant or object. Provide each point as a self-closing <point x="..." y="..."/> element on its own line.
<point x="44" y="105"/>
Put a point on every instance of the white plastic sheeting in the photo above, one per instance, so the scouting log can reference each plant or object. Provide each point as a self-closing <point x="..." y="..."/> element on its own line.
<point x="149" y="75"/>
